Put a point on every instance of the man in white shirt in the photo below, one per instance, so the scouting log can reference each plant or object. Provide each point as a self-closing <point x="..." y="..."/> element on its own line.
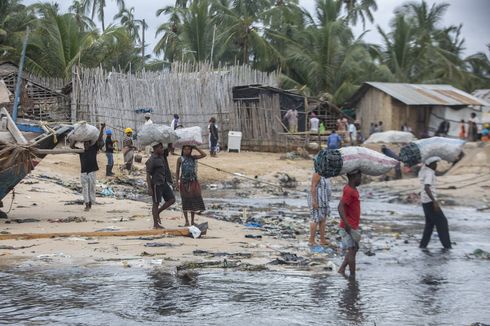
<point x="432" y="211"/>
<point x="148" y="119"/>
<point x="352" y="134"/>
<point x="292" y="117"/>
<point x="314" y="123"/>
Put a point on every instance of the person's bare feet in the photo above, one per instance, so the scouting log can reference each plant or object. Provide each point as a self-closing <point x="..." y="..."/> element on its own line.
<point x="311" y="243"/>
<point x="342" y="272"/>
<point x="158" y="226"/>
<point x="325" y="242"/>
<point x="186" y="224"/>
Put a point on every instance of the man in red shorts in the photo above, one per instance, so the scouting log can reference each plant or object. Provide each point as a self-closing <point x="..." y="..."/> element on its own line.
<point x="350" y="215"/>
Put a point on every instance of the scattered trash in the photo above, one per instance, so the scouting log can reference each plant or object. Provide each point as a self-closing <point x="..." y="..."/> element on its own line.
<point x="482" y="254"/>
<point x="252" y="225"/>
<point x="159" y="244"/>
<point x="108" y="229"/>
<point x="108" y="192"/>
<point x="194" y="232"/>
<point x="253" y="236"/>
<point x="76" y="219"/>
<point x="317" y="249"/>
<point x="4" y="247"/>
<point x="156" y="262"/>
<point x="49" y="257"/>
<point x="26" y="220"/>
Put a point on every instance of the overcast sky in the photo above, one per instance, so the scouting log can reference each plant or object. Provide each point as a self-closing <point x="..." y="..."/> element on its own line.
<point x="473" y="14"/>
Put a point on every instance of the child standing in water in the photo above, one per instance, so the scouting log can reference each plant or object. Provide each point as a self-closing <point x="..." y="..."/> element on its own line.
<point x="187" y="184"/>
<point x="350" y="217"/>
<point x="318" y="201"/>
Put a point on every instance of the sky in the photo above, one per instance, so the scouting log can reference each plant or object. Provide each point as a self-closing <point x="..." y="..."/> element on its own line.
<point x="473" y="14"/>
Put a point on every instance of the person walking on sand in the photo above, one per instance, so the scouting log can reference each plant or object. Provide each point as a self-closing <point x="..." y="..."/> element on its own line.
<point x="187" y="184"/>
<point x="318" y="202"/>
<point x="432" y="210"/>
<point x="350" y="217"/>
<point x="88" y="165"/>
<point x="158" y="179"/>
<point x="213" y="136"/>
<point x="128" y="149"/>
<point x="109" y="152"/>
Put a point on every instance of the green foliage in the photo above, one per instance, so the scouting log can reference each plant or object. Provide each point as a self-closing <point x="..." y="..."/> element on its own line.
<point x="316" y="52"/>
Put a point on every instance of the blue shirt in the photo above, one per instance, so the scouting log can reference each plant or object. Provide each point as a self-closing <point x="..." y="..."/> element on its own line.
<point x="334" y="141"/>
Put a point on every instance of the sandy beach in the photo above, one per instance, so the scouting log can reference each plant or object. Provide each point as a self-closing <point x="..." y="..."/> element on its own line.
<point x="49" y="195"/>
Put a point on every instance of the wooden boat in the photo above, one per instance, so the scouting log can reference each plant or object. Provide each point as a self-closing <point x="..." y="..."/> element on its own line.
<point x="20" y="151"/>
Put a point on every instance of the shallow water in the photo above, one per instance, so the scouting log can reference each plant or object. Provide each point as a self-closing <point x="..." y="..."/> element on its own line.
<point x="399" y="285"/>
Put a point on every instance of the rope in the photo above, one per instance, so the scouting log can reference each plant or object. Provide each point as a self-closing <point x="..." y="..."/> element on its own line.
<point x="249" y="178"/>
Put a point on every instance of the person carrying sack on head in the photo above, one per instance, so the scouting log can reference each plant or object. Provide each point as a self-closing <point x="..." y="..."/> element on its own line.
<point x="432" y="210"/>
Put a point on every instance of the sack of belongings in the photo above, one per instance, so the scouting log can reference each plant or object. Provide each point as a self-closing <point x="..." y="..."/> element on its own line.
<point x="333" y="162"/>
<point x="391" y="137"/>
<point x="188" y="136"/>
<point x="83" y="132"/>
<point x="418" y="151"/>
<point x="154" y="133"/>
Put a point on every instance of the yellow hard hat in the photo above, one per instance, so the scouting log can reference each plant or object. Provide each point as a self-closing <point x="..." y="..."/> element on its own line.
<point x="128" y="130"/>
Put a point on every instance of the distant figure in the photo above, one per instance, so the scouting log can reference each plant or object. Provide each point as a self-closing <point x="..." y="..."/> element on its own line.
<point x="352" y="134"/>
<point x="360" y="136"/>
<point x="350" y="217"/>
<point x="406" y="128"/>
<point x="314" y="123"/>
<point x="213" y="137"/>
<point x="318" y="202"/>
<point x="187" y="184"/>
<point x="432" y="211"/>
<point x="334" y="141"/>
<point x="89" y="167"/>
<point x="473" y="127"/>
<point x="175" y="121"/>
<point x="109" y="152"/>
<point x="388" y="152"/>
<point x="128" y="149"/>
<point x="376" y="128"/>
<point x="380" y="126"/>
<point x="292" y="118"/>
<point x="148" y="119"/>
<point x="322" y="128"/>
<point x="372" y="128"/>
<point x="443" y="128"/>
<point x="462" y="129"/>
<point x="159" y="179"/>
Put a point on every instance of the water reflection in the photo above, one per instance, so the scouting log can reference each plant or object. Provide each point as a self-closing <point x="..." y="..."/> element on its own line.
<point x="350" y="306"/>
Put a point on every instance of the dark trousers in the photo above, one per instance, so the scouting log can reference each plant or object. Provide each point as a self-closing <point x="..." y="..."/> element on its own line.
<point x="438" y="219"/>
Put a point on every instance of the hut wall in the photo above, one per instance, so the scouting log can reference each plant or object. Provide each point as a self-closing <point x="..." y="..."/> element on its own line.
<point x="260" y="123"/>
<point x="195" y="92"/>
<point x="374" y="106"/>
<point x="403" y="113"/>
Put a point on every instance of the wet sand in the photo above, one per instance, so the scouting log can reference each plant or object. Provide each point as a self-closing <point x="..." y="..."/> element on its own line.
<point x="42" y="198"/>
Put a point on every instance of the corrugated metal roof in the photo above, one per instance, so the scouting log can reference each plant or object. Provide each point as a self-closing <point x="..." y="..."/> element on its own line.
<point x="483" y="94"/>
<point x="422" y="94"/>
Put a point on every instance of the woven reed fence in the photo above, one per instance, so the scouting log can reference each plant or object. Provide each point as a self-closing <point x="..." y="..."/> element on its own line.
<point x="195" y="92"/>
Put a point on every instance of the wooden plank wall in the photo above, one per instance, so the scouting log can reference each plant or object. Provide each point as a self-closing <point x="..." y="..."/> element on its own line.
<point x="195" y="92"/>
<point x="373" y="107"/>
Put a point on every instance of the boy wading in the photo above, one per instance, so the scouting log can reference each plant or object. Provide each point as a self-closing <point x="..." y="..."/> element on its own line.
<point x="432" y="211"/>
<point x="350" y="215"/>
<point x="158" y="178"/>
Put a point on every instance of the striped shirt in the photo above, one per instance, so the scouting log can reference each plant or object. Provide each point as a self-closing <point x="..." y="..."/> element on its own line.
<point x="324" y="192"/>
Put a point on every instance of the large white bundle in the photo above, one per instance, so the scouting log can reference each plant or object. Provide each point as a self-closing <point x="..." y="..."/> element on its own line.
<point x="332" y="162"/>
<point x="188" y="136"/>
<point x="151" y="133"/>
<point x="447" y="149"/>
<point x="366" y="160"/>
<point x="83" y="132"/>
<point x="391" y="137"/>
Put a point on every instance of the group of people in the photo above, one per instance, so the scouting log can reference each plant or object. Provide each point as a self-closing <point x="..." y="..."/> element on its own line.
<point x="349" y="209"/>
<point x="472" y="130"/>
<point x="158" y="172"/>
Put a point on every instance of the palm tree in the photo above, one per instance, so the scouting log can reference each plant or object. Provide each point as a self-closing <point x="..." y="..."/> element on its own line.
<point x="359" y="9"/>
<point x="14" y="19"/>
<point x="325" y="59"/>
<point x="83" y="21"/>
<point x="97" y="7"/>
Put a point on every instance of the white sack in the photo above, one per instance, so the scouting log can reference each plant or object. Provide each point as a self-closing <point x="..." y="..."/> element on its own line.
<point x="188" y="136"/>
<point x="447" y="149"/>
<point x="391" y="137"/>
<point x="83" y="132"/>
<point x="366" y="160"/>
<point x="151" y="133"/>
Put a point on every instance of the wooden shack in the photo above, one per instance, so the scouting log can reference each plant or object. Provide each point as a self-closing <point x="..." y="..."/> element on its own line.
<point x="421" y="107"/>
<point x="37" y="101"/>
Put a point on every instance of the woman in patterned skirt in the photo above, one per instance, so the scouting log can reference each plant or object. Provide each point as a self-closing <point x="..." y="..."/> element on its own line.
<point x="187" y="184"/>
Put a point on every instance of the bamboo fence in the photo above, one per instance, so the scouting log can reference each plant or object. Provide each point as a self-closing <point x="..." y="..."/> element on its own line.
<point x="195" y="92"/>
